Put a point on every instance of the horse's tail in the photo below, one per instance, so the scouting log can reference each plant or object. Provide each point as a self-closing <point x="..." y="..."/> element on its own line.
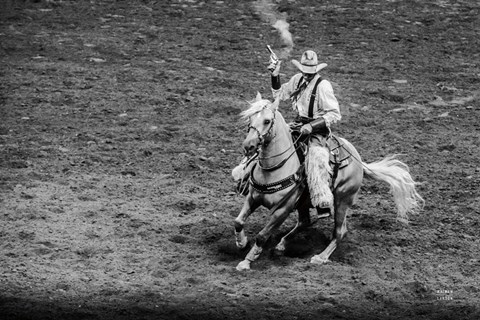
<point x="402" y="186"/>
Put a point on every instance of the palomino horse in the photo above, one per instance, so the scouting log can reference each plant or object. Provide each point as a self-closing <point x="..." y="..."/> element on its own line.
<point x="276" y="183"/>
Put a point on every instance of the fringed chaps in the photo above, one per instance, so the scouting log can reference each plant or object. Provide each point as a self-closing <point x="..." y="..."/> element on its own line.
<point x="319" y="172"/>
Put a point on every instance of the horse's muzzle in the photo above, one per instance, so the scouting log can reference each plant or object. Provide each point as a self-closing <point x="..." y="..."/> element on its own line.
<point x="250" y="145"/>
<point x="250" y="150"/>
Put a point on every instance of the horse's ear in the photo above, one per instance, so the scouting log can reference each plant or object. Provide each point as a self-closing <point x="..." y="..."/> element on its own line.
<point x="258" y="97"/>
<point x="275" y="104"/>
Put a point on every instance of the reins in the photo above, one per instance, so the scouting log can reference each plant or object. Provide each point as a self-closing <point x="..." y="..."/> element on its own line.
<point x="278" y="165"/>
<point x="295" y="179"/>
<point x="281" y="163"/>
<point x="261" y="137"/>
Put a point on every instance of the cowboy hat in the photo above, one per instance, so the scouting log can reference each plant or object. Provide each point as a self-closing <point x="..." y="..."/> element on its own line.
<point x="309" y="63"/>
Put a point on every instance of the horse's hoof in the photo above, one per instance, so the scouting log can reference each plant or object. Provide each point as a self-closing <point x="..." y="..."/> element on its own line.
<point x="280" y="248"/>
<point x="244" y="265"/>
<point x="318" y="260"/>
<point x="242" y="244"/>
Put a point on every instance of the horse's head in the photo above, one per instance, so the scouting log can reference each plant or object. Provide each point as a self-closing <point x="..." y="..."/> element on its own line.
<point x="261" y="124"/>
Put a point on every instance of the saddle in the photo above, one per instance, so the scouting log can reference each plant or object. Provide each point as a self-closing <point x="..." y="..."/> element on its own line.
<point x="340" y="157"/>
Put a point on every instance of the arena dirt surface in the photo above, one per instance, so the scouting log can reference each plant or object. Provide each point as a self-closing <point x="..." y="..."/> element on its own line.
<point x="120" y="126"/>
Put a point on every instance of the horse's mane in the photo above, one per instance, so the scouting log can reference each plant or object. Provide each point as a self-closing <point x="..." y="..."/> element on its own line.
<point x="255" y="107"/>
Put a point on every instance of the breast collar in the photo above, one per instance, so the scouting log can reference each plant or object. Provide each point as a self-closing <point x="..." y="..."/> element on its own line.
<point x="277" y="185"/>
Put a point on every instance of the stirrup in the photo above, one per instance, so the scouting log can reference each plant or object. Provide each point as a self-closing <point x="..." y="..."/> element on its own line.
<point x="324" y="212"/>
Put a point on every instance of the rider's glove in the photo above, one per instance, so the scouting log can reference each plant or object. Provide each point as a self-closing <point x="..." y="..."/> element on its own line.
<point x="306" y="130"/>
<point x="295" y="126"/>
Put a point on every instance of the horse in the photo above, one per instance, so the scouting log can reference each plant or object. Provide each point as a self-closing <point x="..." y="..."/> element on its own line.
<point x="277" y="183"/>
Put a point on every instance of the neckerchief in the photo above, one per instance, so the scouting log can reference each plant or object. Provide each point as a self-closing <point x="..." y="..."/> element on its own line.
<point x="302" y="84"/>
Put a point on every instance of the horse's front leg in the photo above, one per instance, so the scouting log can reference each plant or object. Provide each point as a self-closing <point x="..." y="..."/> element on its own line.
<point x="249" y="206"/>
<point x="277" y="218"/>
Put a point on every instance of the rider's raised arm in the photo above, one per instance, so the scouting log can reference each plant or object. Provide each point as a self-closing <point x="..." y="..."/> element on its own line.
<point x="284" y="92"/>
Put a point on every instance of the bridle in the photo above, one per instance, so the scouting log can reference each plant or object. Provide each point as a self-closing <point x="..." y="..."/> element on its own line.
<point x="263" y="142"/>
<point x="261" y="137"/>
<point x="295" y="179"/>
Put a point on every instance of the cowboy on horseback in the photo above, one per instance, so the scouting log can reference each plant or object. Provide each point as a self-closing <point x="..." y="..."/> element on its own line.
<point x="274" y="175"/>
<point x="317" y="109"/>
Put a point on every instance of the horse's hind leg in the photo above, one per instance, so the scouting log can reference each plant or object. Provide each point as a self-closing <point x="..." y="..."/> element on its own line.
<point x="339" y="231"/>
<point x="303" y="222"/>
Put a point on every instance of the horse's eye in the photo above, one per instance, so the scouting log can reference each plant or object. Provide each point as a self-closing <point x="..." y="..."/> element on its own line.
<point x="267" y="122"/>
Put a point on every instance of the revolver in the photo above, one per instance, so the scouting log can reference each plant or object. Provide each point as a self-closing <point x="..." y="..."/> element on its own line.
<point x="273" y="59"/>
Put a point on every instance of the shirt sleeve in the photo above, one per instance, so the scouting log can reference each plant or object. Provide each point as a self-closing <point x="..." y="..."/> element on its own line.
<point x="286" y="89"/>
<point x="328" y="103"/>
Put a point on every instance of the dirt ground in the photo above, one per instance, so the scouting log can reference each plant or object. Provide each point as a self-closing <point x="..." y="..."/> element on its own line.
<point x="120" y="126"/>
